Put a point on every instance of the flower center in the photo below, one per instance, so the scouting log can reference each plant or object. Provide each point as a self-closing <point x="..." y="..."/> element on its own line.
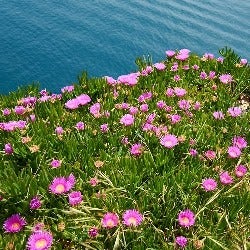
<point x="132" y="221"/>
<point x="15" y="226"/>
<point x="185" y="220"/>
<point x="60" y="188"/>
<point x="110" y="223"/>
<point x="40" y="244"/>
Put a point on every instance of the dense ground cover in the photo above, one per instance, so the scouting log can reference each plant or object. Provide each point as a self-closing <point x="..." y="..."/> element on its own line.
<point x="156" y="159"/>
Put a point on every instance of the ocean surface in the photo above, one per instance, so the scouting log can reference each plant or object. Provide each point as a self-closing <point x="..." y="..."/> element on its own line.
<point x="53" y="41"/>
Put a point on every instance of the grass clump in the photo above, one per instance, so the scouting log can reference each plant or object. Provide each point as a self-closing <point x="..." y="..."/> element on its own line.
<point x="156" y="159"/>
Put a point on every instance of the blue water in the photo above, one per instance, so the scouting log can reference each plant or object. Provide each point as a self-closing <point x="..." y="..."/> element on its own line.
<point x="53" y="41"/>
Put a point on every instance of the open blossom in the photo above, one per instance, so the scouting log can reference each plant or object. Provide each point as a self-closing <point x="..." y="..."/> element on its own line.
<point x="174" y="67"/>
<point x="14" y="224"/>
<point x="234" y="111"/>
<point x="181" y="241"/>
<point x="59" y="130"/>
<point x="144" y="107"/>
<point x="159" y="66"/>
<point x="19" y="110"/>
<point x="95" y="110"/>
<point x="239" y="142"/>
<point x="80" y="126"/>
<point x="226" y="78"/>
<point x="175" y="118"/>
<point x="136" y="149"/>
<point x="203" y="75"/>
<point x="234" y="152"/>
<point x="180" y="92"/>
<point x="225" y="178"/>
<point x="169" y="141"/>
<point x="104" y="128"/>
<point x="62" y="185"/>
<point x="186" y="218"/>
<point x="67" y="89"/>
<point x="132" y="217"/>
<point x="55" y="163"/>
<point x="110" y="80"/>
<point x="130" y="79"/>
<point x="243" y="61"/>
<point x="209" y="184"/>
<point x="170" y="92"/>
<point x="145" y="97"/>
<point x="133" y="110"/>
<point x="6" y="112"/>
<point x="110" y="220"/>
<point x="210" y="154"/>
<point x="170" y="53"/>
<point x="41" y="240"/>
<point x="75" y="197"/>
<point x="193" y="152"/>
<point x="184" y="104"/>
<point x="127" y="120"/>
<point x="240" y="170"/>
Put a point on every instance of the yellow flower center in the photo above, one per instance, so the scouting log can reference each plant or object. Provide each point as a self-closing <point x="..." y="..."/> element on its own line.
<point x="185" y="220"/>
<point x="15" y="226"/>
<point x="110" y="223"/>
<point x="132" y="221"/>
<point x="41" y="243"/>
<point x="60" y="188"/>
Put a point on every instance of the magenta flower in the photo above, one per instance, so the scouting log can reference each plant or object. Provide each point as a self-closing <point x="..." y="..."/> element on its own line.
<point x="176" y="78"/>
<point x="243" y="61"/>
<point x="226" y="78"/>
<point x="35" y="203"/>
<point x="186" y="218"/>
<point x="133" y="110"/>
<point x="193" y="152"/>
<point x="75" y="198"/>
<point x="150" y="118"/>
<point x="83" y="99"/>
<point x="59" y="130"/>
<point x="8" y="149"/>
<point x="72" y="104"/>
<point x="55" y="163"/>
<point x="127" y="120"/>
<point x="170" y="53"/>
<point x="159" y="66"/>
<point x="210" y="154"/>
<point x="234" y="111"/>
<point x="174" y="67"/>
<point x="225" y="178"/>
<point x="195" y="67"/>
<point x="175" y="118"/>
<point x="110" y="80"/>
<point x="80" y="126"/>
<point x="38" y="227"/>
<point x="14" y="224"/>
<point x="209" y="184"/>
<point x="136" y="149"/>
<point x="180" y="92"/>
<point x="145" y="96"/>
<point x="130" y="79"/>
<point x="161" y="104"/>
<point x="197" y="106"/>
<point x="234" y="152"/>
<point x="95" y="110"/>
<point x="110" y="220"/>
<point x="169" y="141"/>
<point x="220" y="59"/>
<point x="68" y="89"/>
<point x="32" y="117"/>
<point x="19" y="110"/>
<point x="93" y="232"/>
<point x="144" y="107"/>
<point x="184" y="104"/>
<point x="239" y="142"/>
<point x="203" y="75"/>
<point x="62" y="185"/>
<point x="104" y="128"/>
<point x="218" y="115"/>
<point x="169" y="92"/>
<point x="41" y="240"/>
<point x="211" y="75"/>
<point x="240" y="170"/>
<point x="181" y="241"/>
<point x="6" y="112"/>
<point x="132" y="217"/>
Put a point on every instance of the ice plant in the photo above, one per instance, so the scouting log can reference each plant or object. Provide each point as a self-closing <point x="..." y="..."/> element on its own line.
<point x="181" y="241"/>
<point x="41" y="240"/>
<point x="75" y="198"/>
<point x="127" y="120"/>
<point x="209" y="184"/>
<point x="8" y="149"/>
<point x="239" y="142"/>
<point x="186" y="218"/>
<point x="218" y="115"/>
<point x="14" y="224"/>
<point x="240" y="170"/>
<point x="225" y="178"/>
<point x="234" y="152"/>
<point x="110" y="220"/>
<point x="226" y="78"/>
<point x="55" y="163"/>
<point x="35" y="203"/>
<point x="234" y="111"/>
<point x="62" y="185"/>
<point x="132" y="217"/>
<point x="169" y="141"/>
<point x="136" y="149"/>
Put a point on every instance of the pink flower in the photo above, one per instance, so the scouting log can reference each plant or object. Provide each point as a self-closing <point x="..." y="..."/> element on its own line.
<point x="177" y="78"/>
<point x="145" y="96"/>
<point x="218" y="115"/>
<point x="240" y="170"/>
<point x="181" y="241"/>
<point x="175" y="119"/>
<point x="19" y="110"/>
<point x="75" y="198"/>
<point x="183" y="54"/>
<point x="203" y="75"/>
<point x="234" y="111"/>
<point x="226" y="78"/>
<point x="220" y="60"/>
<point x="67" y="89"/>
<point x="93" y="181"/>
<point x="132" y="217"/>
<point x="243" y="61"/>
<point x="170" y="53"/>
<point x="144" y="107"/>
<point x="35" y="203"/>
<point x="209" y="184"/>
<point x="197" y="105"/>
<point x="62" y="185"/>
<point x="225" y="178"/>
<point x="59" y="130"/>
<point x="6" y="112"/>
<point x="130" y="79"/>
<point x="150" y="118"/>
<point x="169" y="141"/>
<point x="160" y="66"/>
<point x="8" y="149"/>
<point x="55" y="163"/>
<point x="95" y="110"/>
<point x="193" y="152"/>
<point x="83" y="99"/>
<point x="41" y="240"/>
<point x="14" y="224"/>
<point x="72" y="104"/>
<point x="80" y="126"/>
<point x="104" y="128"/>
<point x="133" y="110"/>
<point x="124" y="140"/>
<point x="210" y="154"/>
<point x="239" y="142"/>
<point x="136" y="149"/>
<point x="184" y="104"/>
<point x="180" y="92"/>
<point x="93" y="232"/>
<point x="110" y="220"/>
<point x="110" y="80"/>
<point x="234" y="152"/>
<point x="186" y="218"/>
<point x="161" y="104"/>
<point x="195" y="67"/>
<point x="127" y="120"/>
<point x="211" y="75"/>
<point x="169" y="92"/>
